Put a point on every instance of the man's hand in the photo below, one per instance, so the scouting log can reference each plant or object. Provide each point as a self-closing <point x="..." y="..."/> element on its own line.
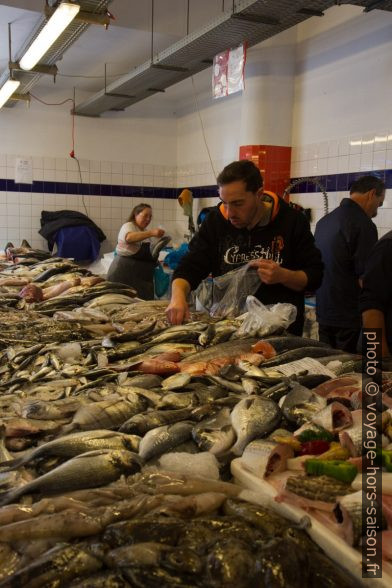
<point x="269" y="271"/>
<point x="178" y="309"/>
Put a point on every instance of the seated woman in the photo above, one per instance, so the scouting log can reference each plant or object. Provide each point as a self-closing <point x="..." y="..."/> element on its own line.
<point x="134" y="264"/>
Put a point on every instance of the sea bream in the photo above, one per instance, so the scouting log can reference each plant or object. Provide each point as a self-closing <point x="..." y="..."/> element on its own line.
<point x="253" y="417"/>
<point x="301" y="404"/>
<point x="215" y="433"/>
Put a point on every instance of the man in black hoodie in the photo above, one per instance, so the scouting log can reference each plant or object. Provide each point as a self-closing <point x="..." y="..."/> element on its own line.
<point x="250" y="226"/>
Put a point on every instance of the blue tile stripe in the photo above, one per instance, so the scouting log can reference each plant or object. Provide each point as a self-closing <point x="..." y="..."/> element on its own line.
<point x="43" y="187"/>
<point x="332" y="183"/>
<point x="340" y="182"/>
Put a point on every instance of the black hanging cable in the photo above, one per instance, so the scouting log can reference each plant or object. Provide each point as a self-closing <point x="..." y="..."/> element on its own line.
<point x="187" y="19"/>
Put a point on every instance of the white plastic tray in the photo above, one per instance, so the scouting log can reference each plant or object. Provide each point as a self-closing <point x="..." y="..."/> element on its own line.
<point x="263" y="493"/>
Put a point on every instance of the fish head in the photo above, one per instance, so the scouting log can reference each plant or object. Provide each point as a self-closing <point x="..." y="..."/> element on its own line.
<point x="126" y="462"/>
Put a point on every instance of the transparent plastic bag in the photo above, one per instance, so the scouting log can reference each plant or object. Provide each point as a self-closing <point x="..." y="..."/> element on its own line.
<point x="225" y="296"/>
<point x="264" y="320"/>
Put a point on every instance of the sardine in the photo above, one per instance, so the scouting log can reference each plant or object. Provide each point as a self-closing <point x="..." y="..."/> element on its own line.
<point x="253" y="417"/>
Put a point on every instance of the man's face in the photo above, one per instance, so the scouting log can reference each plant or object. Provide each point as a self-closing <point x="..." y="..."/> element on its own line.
<point x="242" y="207"/>
<point x="375" y="202"/>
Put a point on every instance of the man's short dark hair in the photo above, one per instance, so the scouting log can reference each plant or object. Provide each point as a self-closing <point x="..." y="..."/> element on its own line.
<point x="366" y="183"/>
<point x="243" y="170"/>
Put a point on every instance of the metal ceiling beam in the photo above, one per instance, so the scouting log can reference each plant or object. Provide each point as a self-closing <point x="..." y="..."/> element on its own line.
<point x="252" y="21"/>
<point x="28" y="79"/>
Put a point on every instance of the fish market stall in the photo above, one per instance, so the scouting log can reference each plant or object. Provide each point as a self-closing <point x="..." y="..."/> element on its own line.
<point x="135" y="453"/>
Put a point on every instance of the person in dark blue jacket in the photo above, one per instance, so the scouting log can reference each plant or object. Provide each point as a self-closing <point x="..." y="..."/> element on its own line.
<point x="345" y="237"/>
<point x="376" y="296"/>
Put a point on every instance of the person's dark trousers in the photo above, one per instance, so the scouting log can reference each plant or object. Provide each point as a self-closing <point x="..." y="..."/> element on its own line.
<point x="344" y="339"/>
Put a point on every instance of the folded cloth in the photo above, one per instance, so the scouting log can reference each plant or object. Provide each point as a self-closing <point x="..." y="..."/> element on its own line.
<point x="54" y="220"/>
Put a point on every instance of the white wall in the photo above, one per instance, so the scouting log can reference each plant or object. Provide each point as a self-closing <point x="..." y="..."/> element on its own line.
<point x="342" y="120"/>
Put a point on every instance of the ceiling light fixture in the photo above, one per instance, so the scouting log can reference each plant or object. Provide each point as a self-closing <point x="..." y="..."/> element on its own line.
<point x="57" y="23"/>
<point x="7" y="90"/>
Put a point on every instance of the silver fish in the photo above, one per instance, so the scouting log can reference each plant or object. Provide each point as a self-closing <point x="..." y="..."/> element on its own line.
<point x="141" y="423"/>
<point x="163" y="439"/>
<point x="207" y="336"/>
<point x="75" y="444"/>
<point x="301" y="404"/>
<point x="249" y="385"/>
<point x="88" y="470"/>
<point x="228" y="384"/>
<point x="253" y="417"/>
<point x="251" y="370"/>
<point x="144" y="381"/>
<point x="107" y="414"/>
<point x="215" y="434"/>
<point x="176" y="381"/>
<point x="333" y="417"/>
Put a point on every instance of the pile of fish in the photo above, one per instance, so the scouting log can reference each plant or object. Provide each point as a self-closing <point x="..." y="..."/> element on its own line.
<point x="161" y="530"/>
<point x="108" y="414"/>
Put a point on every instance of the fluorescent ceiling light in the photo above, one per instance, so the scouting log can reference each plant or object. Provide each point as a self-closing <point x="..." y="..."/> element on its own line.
<point x="57" y="23"/>
<point x="7" y="90"/>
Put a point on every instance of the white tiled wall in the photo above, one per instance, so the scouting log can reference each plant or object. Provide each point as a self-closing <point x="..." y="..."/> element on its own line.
<point x="354" y="153"/>
<point x="20" y="218"/>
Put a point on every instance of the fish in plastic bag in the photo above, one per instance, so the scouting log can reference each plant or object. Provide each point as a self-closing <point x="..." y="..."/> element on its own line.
<point x="225" y="296"/>
<point x="262" y="320"/>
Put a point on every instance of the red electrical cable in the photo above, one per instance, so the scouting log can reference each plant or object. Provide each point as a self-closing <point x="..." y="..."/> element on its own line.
<point x="72" y="152"/>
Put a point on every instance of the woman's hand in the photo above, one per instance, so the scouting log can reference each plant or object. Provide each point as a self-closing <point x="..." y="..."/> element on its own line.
<point x="157" y="233"/>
